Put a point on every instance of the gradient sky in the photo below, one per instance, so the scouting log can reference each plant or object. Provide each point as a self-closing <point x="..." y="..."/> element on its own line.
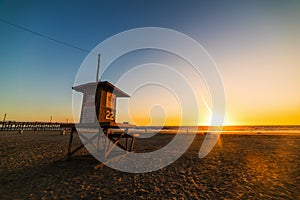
<point x="255" y="45"/>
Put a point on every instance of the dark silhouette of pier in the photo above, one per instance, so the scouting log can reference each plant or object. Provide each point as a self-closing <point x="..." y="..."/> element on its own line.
<point x="30" y="126"/>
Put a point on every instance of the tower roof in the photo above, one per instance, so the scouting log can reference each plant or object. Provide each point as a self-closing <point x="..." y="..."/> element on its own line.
<point x="90" y="87"/>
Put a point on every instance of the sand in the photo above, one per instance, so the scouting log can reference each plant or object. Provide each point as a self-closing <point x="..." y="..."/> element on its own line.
<point x="33" y="166"/>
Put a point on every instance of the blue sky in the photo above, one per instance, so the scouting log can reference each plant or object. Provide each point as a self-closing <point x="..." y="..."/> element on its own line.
<point x="254" y="43"/>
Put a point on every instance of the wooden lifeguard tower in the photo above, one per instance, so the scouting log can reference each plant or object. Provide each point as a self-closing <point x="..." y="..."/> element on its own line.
<point x="102" y="97"/>
<point x="99" y="111"/>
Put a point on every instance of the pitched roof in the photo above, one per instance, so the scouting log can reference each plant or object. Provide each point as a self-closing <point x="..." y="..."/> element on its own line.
<point x="103" y="84"/>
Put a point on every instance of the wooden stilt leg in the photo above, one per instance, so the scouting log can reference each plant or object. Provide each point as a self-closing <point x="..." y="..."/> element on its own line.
<point x="126" y="140"/>
<point x="70" y="142"/>
<point x="98" y="143"/>
<point x="132" y="143"/>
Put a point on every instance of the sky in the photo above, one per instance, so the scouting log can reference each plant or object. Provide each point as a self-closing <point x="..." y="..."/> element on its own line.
<point x="254" y="44"/>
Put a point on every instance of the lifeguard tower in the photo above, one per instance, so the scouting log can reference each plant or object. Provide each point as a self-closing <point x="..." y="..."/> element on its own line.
<point x="99" y="111"/>
<point x="100" y="98"/>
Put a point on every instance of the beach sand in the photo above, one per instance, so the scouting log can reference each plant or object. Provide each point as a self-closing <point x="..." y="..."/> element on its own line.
<point x="33" y="166"/>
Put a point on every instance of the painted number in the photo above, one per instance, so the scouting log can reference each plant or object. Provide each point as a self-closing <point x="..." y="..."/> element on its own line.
<point x="109" y="115"/>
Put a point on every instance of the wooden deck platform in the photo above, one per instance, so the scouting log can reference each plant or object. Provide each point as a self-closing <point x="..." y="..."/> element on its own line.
<point x="112" y="133"/>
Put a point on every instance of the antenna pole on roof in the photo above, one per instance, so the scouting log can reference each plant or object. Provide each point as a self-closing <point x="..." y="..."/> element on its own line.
<point x="98" y="67"/>
<point x="4" y="117"/>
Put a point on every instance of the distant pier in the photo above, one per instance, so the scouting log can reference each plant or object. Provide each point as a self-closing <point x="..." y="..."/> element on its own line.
<point x="30" y="126"/>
